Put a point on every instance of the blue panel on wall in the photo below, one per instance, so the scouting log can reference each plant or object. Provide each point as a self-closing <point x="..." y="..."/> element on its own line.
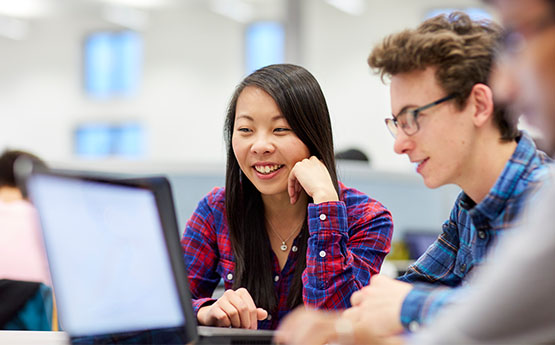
<point x="473" y="12"/>
<point x="265" y="45"/>
<point x="106" y="140"/>
<point x="98" y="65"/>
<point x="93" y="141"/>
<point x="128" y="50"/>
<point x="129" y="141"/>
<point x="113" y="63"/>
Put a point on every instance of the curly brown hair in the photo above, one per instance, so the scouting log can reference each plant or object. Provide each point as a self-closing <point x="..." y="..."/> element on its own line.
<point x="461" y="49"/>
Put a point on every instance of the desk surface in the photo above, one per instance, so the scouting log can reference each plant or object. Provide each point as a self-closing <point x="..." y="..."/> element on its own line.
<point x="33" y="338"/>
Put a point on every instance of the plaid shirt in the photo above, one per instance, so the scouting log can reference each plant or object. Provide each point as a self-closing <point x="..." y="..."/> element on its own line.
<point x="347" y="244"/>
<point x="469" y="233"/>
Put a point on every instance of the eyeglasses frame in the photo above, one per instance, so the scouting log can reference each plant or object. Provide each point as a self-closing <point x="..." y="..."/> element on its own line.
<point x="394" y="129"/>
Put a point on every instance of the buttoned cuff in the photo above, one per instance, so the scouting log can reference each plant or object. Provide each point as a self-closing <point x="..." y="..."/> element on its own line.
<point x="331" y="215"/>
<point x="202" y="302"/>
<point x="327" y="243"/>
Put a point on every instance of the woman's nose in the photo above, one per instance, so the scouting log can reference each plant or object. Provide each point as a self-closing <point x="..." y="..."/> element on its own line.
<point x="262" y="144"/>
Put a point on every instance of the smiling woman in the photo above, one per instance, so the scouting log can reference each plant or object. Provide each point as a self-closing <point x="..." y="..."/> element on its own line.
<point x="284" y="231"/>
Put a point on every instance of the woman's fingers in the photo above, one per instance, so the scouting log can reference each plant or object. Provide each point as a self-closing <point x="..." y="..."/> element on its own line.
<point x="250" y="318"/>
<point x="231" y="311"/>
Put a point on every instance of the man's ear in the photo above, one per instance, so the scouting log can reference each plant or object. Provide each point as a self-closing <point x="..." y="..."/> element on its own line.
<point x="482" y="98"/>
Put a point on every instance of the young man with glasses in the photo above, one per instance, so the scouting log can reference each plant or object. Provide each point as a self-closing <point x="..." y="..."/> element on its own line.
<point x="512" y="299"/>
<point x="445" y="121"/>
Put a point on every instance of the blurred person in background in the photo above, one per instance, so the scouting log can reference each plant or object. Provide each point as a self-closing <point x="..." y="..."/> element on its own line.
<point x="23" y="256"/>
<point x="26" y="299"/>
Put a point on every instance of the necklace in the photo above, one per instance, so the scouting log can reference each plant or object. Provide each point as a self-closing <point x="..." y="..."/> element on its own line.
<point x="284" y="246"/>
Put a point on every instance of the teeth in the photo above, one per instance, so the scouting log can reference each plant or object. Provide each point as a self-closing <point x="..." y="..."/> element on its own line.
<point x="267" y="168"/>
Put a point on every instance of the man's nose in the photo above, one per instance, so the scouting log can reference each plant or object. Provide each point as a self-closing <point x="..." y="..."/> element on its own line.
<point x="403" y="143"/>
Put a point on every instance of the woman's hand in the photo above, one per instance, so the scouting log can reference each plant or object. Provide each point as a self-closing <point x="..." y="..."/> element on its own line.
<point x="311" y="175"/>
<point x="235" y="308"/>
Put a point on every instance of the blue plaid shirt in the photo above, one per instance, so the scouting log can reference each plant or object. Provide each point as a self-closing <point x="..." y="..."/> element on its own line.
<point x="469" y="233"/>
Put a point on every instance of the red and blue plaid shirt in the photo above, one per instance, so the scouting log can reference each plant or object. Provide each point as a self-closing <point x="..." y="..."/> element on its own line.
<point x="347" y="244"/>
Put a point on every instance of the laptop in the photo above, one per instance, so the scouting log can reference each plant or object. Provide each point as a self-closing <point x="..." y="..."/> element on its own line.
<point x="116" y="261"/>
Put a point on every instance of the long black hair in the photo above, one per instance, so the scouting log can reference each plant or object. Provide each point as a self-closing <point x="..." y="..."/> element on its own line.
<point x="301" y="101"/>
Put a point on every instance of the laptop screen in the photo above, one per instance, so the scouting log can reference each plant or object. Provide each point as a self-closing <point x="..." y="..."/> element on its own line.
<point x="108" y="257"/>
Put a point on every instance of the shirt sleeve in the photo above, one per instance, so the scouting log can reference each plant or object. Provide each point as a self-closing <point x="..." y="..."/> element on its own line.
<point x="346" y="246"/>
<point x="435" y="271"/>
<point x="200" y="254"/>
<point x="510" y="298"/>
<point x="424" y="302"/>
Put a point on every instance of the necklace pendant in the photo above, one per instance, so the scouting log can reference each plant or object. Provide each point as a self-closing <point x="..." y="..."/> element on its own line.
<point x="283" y="246"/>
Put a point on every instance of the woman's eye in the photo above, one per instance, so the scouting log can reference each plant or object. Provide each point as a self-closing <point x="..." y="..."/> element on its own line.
<point x="243" y="129"/>
<point x="281" y="129"/>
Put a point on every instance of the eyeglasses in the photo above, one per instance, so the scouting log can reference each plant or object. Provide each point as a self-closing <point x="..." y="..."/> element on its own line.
<point x="407" y="118"/>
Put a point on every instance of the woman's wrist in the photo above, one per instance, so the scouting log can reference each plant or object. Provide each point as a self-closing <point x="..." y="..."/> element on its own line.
<point x="325" y="196"/>
<point x="201" y="314"/>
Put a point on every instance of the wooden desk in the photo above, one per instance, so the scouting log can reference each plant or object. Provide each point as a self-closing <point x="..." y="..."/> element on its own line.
<point x="33" y="338"/>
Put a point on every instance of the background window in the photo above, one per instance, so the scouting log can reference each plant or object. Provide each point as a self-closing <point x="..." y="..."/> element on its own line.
<point x="105" y="140"/>
<point x="473" y="13"/>
<point x="113" y="63"/>
<point x="265" y="45"/>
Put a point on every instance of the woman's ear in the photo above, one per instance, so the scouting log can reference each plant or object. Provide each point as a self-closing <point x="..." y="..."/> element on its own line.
<point x="482" y="97"/>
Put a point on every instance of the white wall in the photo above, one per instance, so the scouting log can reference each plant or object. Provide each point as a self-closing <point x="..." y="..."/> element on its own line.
<point x="193" y="60"/>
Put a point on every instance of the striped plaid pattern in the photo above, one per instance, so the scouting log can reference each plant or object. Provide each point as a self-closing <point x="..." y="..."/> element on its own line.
<point x="470" y="232"/>
<point x="347" y="244"/>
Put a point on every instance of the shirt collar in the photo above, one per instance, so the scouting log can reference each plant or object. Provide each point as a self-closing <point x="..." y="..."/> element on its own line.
<point x="494" y="202"/>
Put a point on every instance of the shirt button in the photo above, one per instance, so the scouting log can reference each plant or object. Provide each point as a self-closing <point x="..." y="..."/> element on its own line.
<point x="229" y="276"/>
<point x="322" y="217"/>
<point x="276" y="278"/>
<point x="269" y="317"/>
<point x="414" y="326"/>
<point x="322" y="254"/>
<point x="482" y="234"/>
<point x="294" y="248"/>
<point x="463" y="268"/>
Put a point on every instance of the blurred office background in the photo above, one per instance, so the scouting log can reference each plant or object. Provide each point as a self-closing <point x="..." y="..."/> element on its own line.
<point x="141" y="86"/>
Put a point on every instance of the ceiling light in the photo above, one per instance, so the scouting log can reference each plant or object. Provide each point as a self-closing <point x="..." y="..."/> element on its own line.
<point x="24" y="8"/>
<point x="128" y="17"/>
<point x="234" y="9"/>
<point x="353" y="7"/>
<point x="145" y="4"/>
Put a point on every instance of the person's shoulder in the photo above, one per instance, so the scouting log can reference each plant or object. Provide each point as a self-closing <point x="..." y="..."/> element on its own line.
<point x="211" y="208"/>
<point x="217" y="193"/>
<point x="541" y="166"/>
<point x="546" y="178"/>
<point x="538" y="175"/>
<point x="350" y="194"/>
<point x="354" y="198"/>
<point x="215" y="198"/>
